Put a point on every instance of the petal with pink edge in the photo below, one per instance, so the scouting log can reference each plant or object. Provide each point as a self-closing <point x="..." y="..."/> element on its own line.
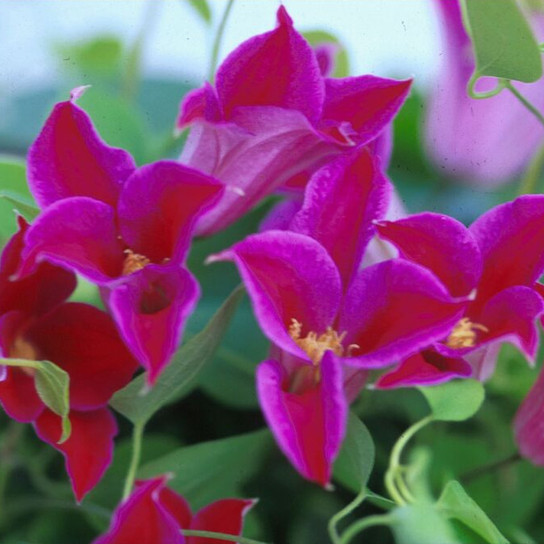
<point x="89" y="450"/>
<point x="288" y="276"/>
<point x="150" y="309"/>
<point x="441" y="244"/>
<point x="309" y="425"/>
<point x="70" y="159"/>
<point x="142" y="519"/>
<point x="392" y="310"/>
<point x="278" y="68"/>
<point x="199" y="104"/>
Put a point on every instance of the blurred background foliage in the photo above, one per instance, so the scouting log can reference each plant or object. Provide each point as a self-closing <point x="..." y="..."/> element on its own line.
<point x="214" y="435"/>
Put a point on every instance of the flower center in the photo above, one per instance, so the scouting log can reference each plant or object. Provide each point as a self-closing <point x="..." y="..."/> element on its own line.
<point x="134" y="262"/>
<point x="315" y="346"/>
<point x="464" y="334"/>
<point x="22" y="349"/>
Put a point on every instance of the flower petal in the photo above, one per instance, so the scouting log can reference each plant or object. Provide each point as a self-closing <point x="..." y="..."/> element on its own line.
<point x="176" y="506"/>
<point x="310" y="426"/>
<point x="341" y="202"/>
<point x="224" y="516"/>
<point x="159" y="206"/>
<point x="392" y="310"/>
<point x="288" y="276"/>
<point x="201" y="103"/>
<point x="84" y="341"/>
<point x="89" y="450"/>
<point x="142" y="519"/>
<point x="439" y="243"/>
<point x="78" y="233"/>
<point x="150" y="309"/>
<point x="70" y="159"/>
<point x="278" y="68"/>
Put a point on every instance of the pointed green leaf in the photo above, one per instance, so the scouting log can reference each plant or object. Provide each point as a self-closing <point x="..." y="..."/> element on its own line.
<point x="456" y="400"/>
<point x="212" y="470"/>
<point x="203" y="9"/>
<point x="138" y="404"/>
<point x="504" y="44"/>
<point x="456" y="503"/>
<point x="355" y="461"/>
<point x="52" y="385"/>
<point x="24" y="206"/>
<point x="421" y="524"/>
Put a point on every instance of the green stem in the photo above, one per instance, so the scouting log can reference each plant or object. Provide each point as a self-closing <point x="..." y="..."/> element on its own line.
<point x="333" y="522"/>
<point x="529" y="182"/>
<point x="524" y="101"/>
<point x="471" y="91"/>
<point x="137" y="435"/>
<point x="362" y="524"/>
<point x="394" y="461"/>
<point x="221" y="536"/>
<point x="218" y="39"/>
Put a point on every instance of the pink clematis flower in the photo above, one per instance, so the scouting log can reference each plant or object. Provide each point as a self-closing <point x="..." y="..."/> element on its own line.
<point x="272" y="119"/>
<point x="37" y="324"/>
<point x="154" y="514"/>
<point x="487" y="141"/>
<point x="499" y="260"/>
<point x="330" y="322"/>
<point x="124" y="228"/>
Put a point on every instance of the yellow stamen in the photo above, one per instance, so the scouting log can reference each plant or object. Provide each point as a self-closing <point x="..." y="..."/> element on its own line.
<point x="134" y="262"/>
<point x="464" y="334"/>
<point x="22" y="349"/>
<point x="315" y="346"/>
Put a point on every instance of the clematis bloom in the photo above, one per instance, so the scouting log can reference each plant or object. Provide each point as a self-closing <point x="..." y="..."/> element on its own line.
<point x="154" y="514"/>
<point x="126" y="229"/>
<point x="272" y="119"/>
<point x="37" y="324"/>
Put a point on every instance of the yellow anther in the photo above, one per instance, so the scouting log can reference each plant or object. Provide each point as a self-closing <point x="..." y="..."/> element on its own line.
<point x="464" y="334"/>
<point x="23" y="349"/>
<point x="134" y="262"/>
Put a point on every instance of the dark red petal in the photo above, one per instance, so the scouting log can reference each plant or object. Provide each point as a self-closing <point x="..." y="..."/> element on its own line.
<point x="176" y="506"/>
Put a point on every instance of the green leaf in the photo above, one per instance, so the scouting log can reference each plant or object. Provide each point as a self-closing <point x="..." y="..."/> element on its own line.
<point x="203" y="9"/>
<point x="456" y="503"/>
<point x="138" y="405"/>
<point x="52" y="385"/>
<point x="317" y="37"/>
<point x="355" y="461"/>
<point x="456" y="400"/>
<point x="421" y="524"/>
<point x="212" y="470"/>
<point x="24" y="206"/>
<point x="504" y="44"/>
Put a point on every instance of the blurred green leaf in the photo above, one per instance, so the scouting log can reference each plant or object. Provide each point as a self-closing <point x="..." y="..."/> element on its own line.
<point x="52" y="385"/>
<point x="504" y="44"/>
<point x="202" y="8"/>
<point x="454" y="401"/>
<point x="139" y="405"/>
<point x="457" y="504"/>
<point x="318" y="37"/>
<point x="355" y="461"/>
<point x="212" y="470"/>
<point x="421" y="524"/>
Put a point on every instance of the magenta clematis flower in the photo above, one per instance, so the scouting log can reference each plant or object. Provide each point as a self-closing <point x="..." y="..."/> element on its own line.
<point x="154" y="514"/>
<point x="481" y="141"/>
<point x="126" y="229"/>
<point x="37" y="324"/>
<point x="272" y="119"/>
<point x="330" y="322"/>
<point x="499" y="260"/>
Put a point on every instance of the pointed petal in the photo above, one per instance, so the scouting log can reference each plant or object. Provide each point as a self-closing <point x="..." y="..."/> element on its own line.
<point x="224" y="516"/>
<point x="199" y="104"/>
<point x="281" y="215"/>
<point x="367" y="103"/>
<point x="341" y="202"/>
<point x="38" y="293"/>
<point x="288" y="276"/>
<point x="89" y="450"/>
<point x="326" y="53"/>
<point x="151" y="308"/>
<point x="141" y="519"/>
<point x="309" y="427"/>
<point x="78" y="233"/>
<point x="70" y="159"/>
<point x="441" y="244"/>
<point x="393" y="309"/>
<point x="159" y="207"/>
<point x="278" y="68"/>
<point x="84" y="341"/>
<point x="176" y="506"/>
<point x="427" y="367"/>
<point x="511" y="238"/>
